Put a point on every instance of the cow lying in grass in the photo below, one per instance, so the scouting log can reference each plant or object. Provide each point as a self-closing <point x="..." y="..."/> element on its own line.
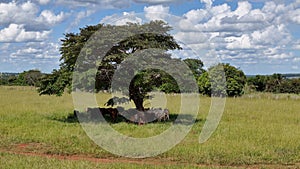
<point x="159" y="114"/>
<point x="142" y="117"/>
<point x="130" y="115"/>
<point x="111" y="112"/>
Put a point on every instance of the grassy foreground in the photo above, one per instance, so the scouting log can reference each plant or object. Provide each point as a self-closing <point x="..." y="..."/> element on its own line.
<point x="260" y="130"/>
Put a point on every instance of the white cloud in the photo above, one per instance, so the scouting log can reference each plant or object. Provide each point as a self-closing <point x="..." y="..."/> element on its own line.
<point x="192" y="37"/>
<point x="156" y="1"/>
<point x="296" y="59"/>
<point x="242" y="42"/>
<point x="196" y="16"/>
<point x="43" y="2"/>
<point x="296" y="45"/>
<point x="157" y="12"/>
<point x="294" y="16"/>
<point x="243" y="8"/>
<point x="29" y="15"/>
<point x="37" y="50"/>
<point x="266" y="36"/>
<point x="17" y="13"/>
<point x="243" y="35"/>
<point x="207" y="2"/>
<point x="94" y="4"/>
<point x="17" y="33"/>
<point x="79" y="16"/>
<point x="48" y="17"/>
<point x="126" y="17"/>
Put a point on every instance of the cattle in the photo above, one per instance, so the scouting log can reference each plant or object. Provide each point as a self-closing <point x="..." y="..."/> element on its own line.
<point x="158" y="114"/>
<point x="134" y="116"/>
<point x="116" y="100"/>
<point x="94" y="113"/>
<point x="113" y="113"/>
<point x="131" y="115"/>
<point x="142" y="117"/>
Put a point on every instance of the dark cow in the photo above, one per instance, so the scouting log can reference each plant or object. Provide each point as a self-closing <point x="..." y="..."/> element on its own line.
<point x="94" y="113"/>
<point x="116" y="100"/>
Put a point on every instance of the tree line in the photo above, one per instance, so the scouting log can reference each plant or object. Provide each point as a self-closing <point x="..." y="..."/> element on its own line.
<point x="236" y="83"/>
<point x="26" y="78"/>
<point x="276" y="83"/>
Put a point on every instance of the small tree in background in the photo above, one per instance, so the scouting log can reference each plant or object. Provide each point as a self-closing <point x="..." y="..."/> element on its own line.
<point x="235" y="81"/>
<point x="30" y="78"/>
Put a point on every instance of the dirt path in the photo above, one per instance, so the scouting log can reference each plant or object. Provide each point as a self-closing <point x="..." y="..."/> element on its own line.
<point x="21" y="150"/>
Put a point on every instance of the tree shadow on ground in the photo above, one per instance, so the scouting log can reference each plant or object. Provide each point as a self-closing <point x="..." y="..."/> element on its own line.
<point x="71" y="118"/>
<point x="85" y="117"/>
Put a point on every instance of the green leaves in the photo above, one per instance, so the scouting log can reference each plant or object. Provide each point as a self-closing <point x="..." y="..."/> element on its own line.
<point x="213" y="82"/>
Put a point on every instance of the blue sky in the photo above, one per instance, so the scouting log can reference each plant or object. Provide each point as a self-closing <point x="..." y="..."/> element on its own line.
<point x="258" y="36"/>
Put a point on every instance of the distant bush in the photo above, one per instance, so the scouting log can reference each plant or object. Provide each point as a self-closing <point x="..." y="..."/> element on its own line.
<point x="212" y="82"/>
<point x="275" y="83"/>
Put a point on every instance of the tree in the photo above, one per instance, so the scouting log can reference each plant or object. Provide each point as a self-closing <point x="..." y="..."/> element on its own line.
<point x="29" y="78"/>
<point x="211" y="82"/>
<point x="274" y="82"/>
<point x="196" y="66"/>
<point x="136" y="40"/>
<point x="258" y="82"/>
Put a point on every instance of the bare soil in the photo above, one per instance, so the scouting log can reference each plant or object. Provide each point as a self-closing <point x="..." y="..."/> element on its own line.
<point x="26" y="149"/>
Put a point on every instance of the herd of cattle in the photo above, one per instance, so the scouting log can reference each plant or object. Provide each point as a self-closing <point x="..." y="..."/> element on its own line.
<point x="130" y="115"/>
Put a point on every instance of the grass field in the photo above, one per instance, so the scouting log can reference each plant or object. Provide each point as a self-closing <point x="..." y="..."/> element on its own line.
<point x="256" y="131"/>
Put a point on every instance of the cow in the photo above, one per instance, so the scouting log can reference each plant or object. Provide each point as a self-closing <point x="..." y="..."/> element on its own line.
<point x="158" y="114"/>
<point x="134" y="116"/>
<point x="112" y="112"/>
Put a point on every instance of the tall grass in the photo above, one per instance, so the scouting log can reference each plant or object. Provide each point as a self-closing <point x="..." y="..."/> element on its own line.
<point x="264" y="129"/>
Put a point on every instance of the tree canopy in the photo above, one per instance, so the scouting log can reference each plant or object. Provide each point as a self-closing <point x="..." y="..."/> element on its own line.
<point x="212" y="83"/>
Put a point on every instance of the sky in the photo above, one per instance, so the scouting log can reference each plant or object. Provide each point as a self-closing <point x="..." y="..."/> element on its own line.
<point x="257" y="36"/>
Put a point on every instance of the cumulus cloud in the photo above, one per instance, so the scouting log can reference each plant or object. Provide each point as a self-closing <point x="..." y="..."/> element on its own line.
<point x="152" y="2"/>
<point x="46" y="50"/>
<point x="50" y="18"/>
<point x="39" y="55"/>
<point x="242" y="42"/>
<point x="126" y="17"/>
<point x="157" y="12"/>
<point x="243" y="35"/>
<point x="17" y="13"/>
<point x="294" y="16"/>
<point x="79" y="16"/>
<point x="92" y="4"/>
<point x="29" y="15"/>
<point x="17" y="33"/>
<point x="207" y="2"/>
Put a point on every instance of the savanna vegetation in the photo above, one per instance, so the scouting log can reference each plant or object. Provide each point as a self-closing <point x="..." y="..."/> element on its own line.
<point x="259" y="129"/>
<point x="256" y="131"/>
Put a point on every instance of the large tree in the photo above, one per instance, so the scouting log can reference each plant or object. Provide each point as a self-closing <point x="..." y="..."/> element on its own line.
<point x="139" y="37"/>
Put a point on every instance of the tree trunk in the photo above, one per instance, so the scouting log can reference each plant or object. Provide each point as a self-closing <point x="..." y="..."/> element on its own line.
<point x="138" y="103"/>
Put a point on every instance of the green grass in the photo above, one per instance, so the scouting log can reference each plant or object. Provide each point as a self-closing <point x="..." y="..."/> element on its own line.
<point x="255" y="129"/>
